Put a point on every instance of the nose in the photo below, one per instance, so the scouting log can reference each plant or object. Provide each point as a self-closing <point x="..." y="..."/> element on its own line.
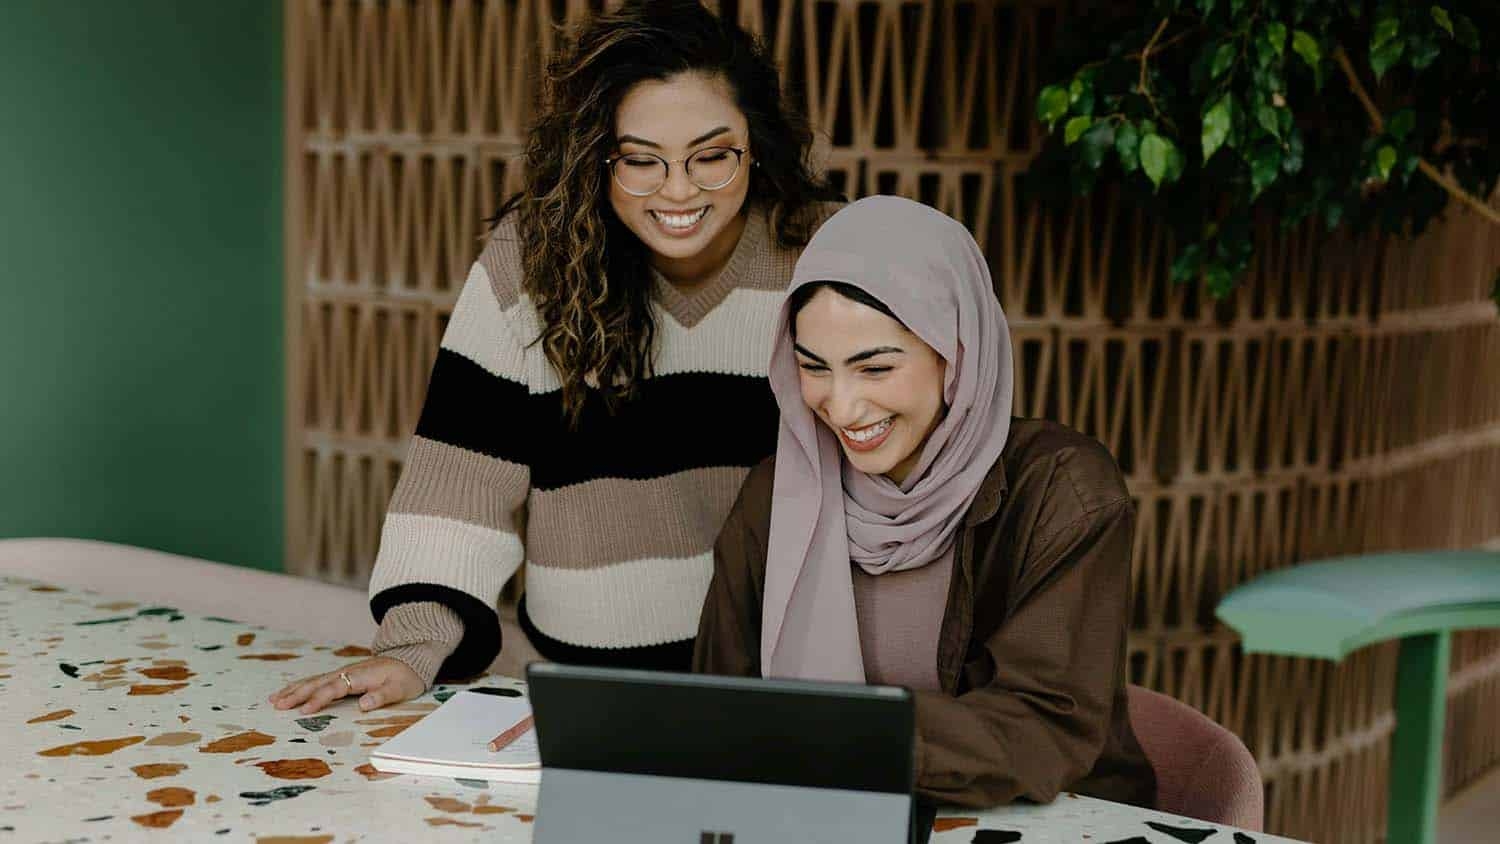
<point x="843" y="405"/>
<point x="678" y="187"/>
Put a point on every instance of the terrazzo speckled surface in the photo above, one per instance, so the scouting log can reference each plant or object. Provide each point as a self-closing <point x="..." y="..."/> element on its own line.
<point x="125" y="722"/>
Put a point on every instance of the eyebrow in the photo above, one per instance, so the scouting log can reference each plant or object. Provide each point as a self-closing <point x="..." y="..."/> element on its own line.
<point x="706" y="136"/>
<point x="854" y="358"/>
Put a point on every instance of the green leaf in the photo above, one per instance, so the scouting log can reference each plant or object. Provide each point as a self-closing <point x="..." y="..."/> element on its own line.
<point x="1466" y="32"/>
<point x="1176" y="163"/>
<point x="1385" y="30"/>
<point x="1128" y="147"/>
<point x="1266" y="115"/>
<point x="1401" y="124"/>
<point x="1075" y="129"/>
<point x="1186" y="264"/>
<point x="1206" y="7"/>
<point x="1097" y="142"/>
<point x="1276" y="35"/>
<point x="1223" y="58"/>
<point x="1216" y="122"/>
<point x="1081" y="93"/>
<point x="1440" y="15"/>
<point x="1155" y="152"/>
<point x="1385" y="160"/>
<point x="1424" y="51"/>
<point x="1219" y="279"/>
<point x="1264" y="168"/>
<point x="1386" y="55"/>
<point x="1051" y="105"/>
<point x="1306" y="46"/>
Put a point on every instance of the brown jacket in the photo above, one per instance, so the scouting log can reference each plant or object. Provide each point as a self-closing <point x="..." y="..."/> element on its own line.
<point x="1031" y="654"/>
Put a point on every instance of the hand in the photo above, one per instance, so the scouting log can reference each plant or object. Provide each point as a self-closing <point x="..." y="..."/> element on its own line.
<point x="379" y="681"/>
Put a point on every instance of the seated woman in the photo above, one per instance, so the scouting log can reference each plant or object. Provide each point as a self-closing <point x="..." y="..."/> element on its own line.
<point x="909" y="532"/>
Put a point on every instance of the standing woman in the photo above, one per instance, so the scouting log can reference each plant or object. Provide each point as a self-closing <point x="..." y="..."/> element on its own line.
<point x="600" y="393"/>
<point x="910" y="532"/>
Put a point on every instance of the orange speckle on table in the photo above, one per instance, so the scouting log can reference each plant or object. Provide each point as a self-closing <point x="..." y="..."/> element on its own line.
<point x="45" y="589"/>
<point x="448" y="804"/>
<point x="160" y="769"/>
<point x="183" y="718"/>
<point x="296" y="769"/>
<point x="51" y="716"/>
<point x="156" y="646"/>
<point x="174" y="739"/>
<point x="293" y="839"/>
<point x="525" y="818"/>
<point x="492" y="810"/>
<point x="387" y="732"/>
<point x="945" y="824"/>
<point x="158" y="820"/>
<point x="171" y="672"/>
<point x="452" y="822"/>
<point x="353" y="650"/>
<point x="404" y="720"/>
<point x="270" y="657"/>
<point x="117" y="605"/>
<point x="121" y="661"/>
<point x="371" y="743"/>
<point x="92" y="748"/>
<point x="155" y="688"/>
<point x="237" y="743"/>
<point x="368" y="772"/>
<point x="53" y="639"/>
<point x="212" y="798"/>
<point x="244" y="639"/>
<point x="169" y="662"/>
<point x="172" y="797"/>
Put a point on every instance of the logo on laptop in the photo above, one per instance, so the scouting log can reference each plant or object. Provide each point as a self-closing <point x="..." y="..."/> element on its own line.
<point x="716" y="837"/>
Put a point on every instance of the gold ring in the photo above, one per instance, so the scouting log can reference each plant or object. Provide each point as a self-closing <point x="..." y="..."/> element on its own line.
<point x="348" y="684"/>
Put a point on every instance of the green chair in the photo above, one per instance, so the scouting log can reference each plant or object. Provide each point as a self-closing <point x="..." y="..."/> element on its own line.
<point x="1330" y="608"/>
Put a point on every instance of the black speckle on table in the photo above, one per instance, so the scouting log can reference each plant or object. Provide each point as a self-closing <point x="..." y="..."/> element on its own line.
<point x="1242" y="838"/>
<point x="70" y="670"/>
<point x="286" y="792"/>
<point x="996" y="836"/>
<point x="1182" y="833"/>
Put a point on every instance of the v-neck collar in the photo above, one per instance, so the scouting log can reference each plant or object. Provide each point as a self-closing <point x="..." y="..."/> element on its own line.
<point x="690" y="308"/>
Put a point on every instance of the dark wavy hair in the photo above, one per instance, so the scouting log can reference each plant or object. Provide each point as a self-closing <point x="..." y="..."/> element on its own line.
<point x="585" y="271"/>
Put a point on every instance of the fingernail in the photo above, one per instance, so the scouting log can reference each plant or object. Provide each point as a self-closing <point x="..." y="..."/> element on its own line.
<point x="366" y="702"/>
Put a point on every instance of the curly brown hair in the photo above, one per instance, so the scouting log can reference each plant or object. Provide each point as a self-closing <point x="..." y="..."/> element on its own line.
<point x="586" y="273"/>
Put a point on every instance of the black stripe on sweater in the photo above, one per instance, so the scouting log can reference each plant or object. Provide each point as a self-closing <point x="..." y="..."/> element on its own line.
<point x="481" y="642"/>
<point x="677" y="422"/>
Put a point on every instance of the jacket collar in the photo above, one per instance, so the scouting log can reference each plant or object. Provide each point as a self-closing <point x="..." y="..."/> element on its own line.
<point x="991" y="492"/>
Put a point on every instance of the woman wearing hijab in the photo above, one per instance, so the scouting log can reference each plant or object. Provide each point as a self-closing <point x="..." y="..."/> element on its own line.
<point x="909" y="532"/>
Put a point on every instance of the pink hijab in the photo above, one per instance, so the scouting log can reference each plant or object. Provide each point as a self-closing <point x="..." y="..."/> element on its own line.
<point x="825" y="515"/>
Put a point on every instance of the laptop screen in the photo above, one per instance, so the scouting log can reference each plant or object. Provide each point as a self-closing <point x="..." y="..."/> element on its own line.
<point x="776" y="732"/>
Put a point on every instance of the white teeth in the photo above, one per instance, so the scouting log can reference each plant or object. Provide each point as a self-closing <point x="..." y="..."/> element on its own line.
<point x="680" y="221"/>
<point x="867" y="434"/>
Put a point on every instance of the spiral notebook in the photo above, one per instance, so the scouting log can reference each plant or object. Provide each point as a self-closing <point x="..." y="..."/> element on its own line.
<point x="452" y="741"/>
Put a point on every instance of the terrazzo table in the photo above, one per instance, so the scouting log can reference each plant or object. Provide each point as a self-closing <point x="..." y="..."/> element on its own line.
<point x="128" y="722"/>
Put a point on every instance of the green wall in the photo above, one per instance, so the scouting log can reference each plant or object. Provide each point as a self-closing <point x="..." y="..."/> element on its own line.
<point x="140" y="274"/>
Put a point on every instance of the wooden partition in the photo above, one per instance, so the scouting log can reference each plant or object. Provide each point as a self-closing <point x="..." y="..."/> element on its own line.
<point x="1343" y="401"/>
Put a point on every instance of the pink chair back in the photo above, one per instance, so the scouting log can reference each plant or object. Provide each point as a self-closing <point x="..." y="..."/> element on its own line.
<point x="1203" y="771"/>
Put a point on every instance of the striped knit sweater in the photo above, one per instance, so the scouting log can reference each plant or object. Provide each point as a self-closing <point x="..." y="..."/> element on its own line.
<point x="619" y="516"/>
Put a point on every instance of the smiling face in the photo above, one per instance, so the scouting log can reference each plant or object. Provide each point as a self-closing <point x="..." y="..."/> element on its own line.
<point x="691" y="232"/>
<point x="875" y="384"/>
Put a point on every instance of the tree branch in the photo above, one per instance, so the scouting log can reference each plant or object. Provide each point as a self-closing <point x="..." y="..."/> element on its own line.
<point x="1442" y="179"/>
<point x="1145" y="58"/>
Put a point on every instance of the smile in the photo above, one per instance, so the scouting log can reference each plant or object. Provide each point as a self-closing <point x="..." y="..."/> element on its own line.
<point x="679" y="224"/>
<point x="869" y="437"/>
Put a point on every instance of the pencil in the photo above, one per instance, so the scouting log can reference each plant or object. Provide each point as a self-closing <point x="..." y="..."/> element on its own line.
<point x="511" y="734"/>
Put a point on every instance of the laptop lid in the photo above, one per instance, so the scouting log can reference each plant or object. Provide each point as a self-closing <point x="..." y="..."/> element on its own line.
<point x="777" y="732"/>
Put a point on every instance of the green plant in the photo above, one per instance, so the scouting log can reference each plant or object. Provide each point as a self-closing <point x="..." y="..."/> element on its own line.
<point x="1211" y="112"/>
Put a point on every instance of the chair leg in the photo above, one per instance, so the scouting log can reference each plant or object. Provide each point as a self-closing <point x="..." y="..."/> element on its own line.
<point x="1416" y="776"/>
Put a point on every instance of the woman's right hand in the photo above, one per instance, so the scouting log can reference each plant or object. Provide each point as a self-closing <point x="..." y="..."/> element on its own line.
<point x="379" y="681"/>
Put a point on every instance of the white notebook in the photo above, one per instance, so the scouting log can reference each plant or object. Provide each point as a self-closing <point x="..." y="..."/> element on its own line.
<point x="453" y="741"/>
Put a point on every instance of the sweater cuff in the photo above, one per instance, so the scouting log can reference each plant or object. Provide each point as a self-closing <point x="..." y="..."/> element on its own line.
<point x="421" y="634"/>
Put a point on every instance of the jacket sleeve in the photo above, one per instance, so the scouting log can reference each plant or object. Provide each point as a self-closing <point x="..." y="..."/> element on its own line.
<point x="1042" y="721"/>
<point x="728" y="640"/>
<point x="452" y="533"/>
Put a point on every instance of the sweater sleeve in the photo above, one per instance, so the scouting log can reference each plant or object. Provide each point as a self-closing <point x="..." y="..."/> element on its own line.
<point x="452" y="532"/>
<point x="422" y="635"/>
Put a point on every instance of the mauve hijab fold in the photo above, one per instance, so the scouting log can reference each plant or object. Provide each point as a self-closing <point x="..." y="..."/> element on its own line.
<point x="825" y="514"/>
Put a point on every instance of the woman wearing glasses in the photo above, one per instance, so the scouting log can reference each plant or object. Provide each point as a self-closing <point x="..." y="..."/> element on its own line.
<point x="600" y="391"/>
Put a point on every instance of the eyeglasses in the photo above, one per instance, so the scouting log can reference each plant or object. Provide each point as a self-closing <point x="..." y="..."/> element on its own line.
<point x="644" y="173"/>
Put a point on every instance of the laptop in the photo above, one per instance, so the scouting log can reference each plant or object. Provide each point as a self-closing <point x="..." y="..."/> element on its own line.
<point x="646" y="757"/>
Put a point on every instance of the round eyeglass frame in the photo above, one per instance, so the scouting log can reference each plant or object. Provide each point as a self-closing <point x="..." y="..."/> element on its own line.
<point x="666" y="168"/>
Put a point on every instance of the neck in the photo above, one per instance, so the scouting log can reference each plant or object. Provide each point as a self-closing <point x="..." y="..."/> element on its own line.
<point x="690" y="273"/>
